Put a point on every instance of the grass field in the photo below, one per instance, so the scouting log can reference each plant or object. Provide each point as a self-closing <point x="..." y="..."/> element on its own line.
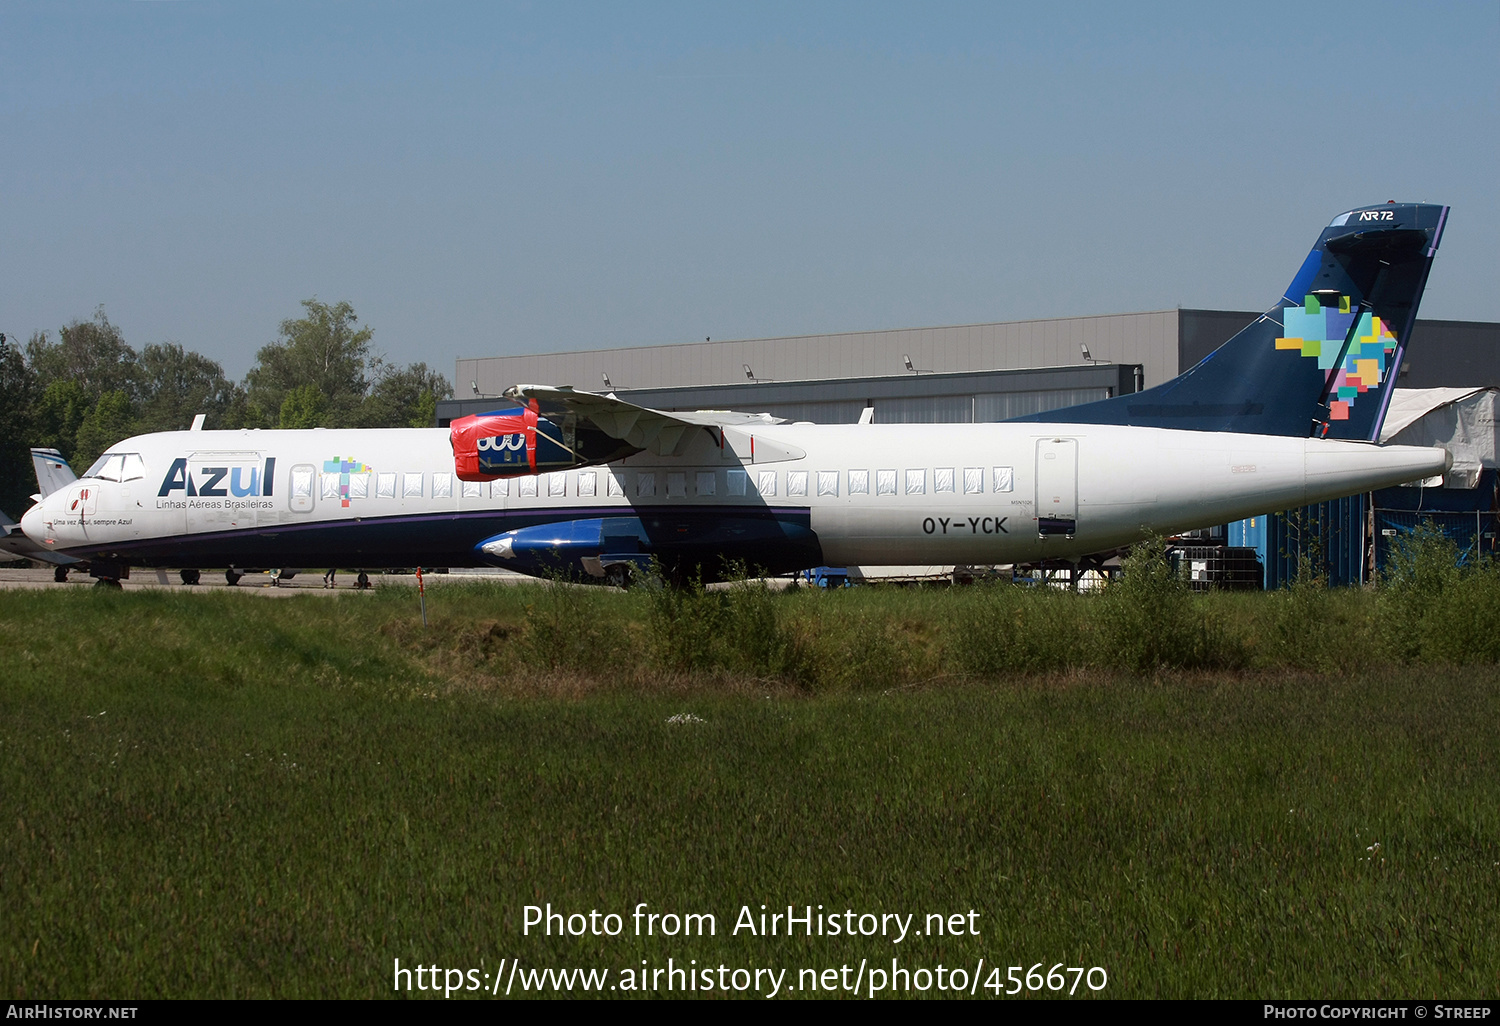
<point x="1268" y="795"/>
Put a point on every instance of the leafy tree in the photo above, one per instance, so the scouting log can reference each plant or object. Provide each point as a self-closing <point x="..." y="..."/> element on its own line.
<point x="304" y="407"/>
<point x="107" y="421"/>
<point x="18" y="393"/>
<point x="242" y="413"/>
<point x="57" y="416"/>
<point x="405" y="398"/>
<point x="322" y="349"/>
<point x="177" y="384"/>
<point x="91" y="353"/>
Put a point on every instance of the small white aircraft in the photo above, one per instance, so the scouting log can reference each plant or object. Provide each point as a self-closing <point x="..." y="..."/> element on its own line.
<point x="1285" y="413"/>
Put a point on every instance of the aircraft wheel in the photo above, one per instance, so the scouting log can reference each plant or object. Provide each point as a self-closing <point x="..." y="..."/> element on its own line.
<point x="362" y="581"/>
<point x="108" y="582"/>
<point x="189" y="575"/>
<point x="617" y="575"/>
<point x="60" y="574"/>
<point x="232" y="577"/>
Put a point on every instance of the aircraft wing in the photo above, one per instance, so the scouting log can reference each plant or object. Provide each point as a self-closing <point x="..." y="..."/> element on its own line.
<point x="663" y="433"/>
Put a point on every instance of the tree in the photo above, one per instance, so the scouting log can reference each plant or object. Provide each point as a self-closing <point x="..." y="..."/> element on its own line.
<point x="18" y="393"/>
<point x="91" y="353"/>
<point x="304" y="407"/>
<point x="322" y="349"/>
<point x="177" y="384"/>
<point x="106" y="422"/>
<point x="405" y="398"/>
<point x="57" y="415"/>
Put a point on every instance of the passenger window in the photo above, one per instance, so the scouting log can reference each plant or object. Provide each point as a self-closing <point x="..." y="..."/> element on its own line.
<point x="385" y="486"/>
<point x="330" y="486"/>
<point x="885" y="482"/>
<point x="500" y="488"/>
<point x="796" y="482"/>
<point x="916" y="482"/>
<point x="766" y="483"/>
<point x="973" y="480"/>
<point x="859" y="482"/>
<point x="473" y="490"/>
<point x="736" y="479"/>
<point x="411" y="486"/>
<point x="617" y="484"/>
<point x="557" y="483"/>
<point x="676" y="484"/>
<point x="442" y="486"/>
<point x="1004" y="479"/>
<point x="526" y="487"/>
<point x="645" y="484"/>
<point x="587" y="482"/>
<point x="828" y="482"/>
<point x="706" y="482"/>
<point x="942" y="479"/>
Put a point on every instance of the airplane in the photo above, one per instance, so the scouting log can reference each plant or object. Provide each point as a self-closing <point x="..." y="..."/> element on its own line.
<point x="1287" y="412"/>
<point x="52" y="473"/>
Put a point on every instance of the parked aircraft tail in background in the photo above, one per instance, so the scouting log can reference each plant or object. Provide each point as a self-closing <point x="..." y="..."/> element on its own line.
<point x="53" y="473"/>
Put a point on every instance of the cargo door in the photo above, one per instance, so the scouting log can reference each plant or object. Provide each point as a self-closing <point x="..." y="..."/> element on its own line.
<point x="1057" y="486"/>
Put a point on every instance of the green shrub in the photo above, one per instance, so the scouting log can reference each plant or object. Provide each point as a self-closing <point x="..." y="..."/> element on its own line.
<point x="1149" y="621"/>
<point x="1002" y="629"/>
<point x="1435" y="609"/>
<point x="563" y="629"/>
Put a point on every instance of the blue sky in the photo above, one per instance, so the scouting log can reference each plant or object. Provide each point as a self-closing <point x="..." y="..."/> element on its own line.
<point x="511" y="178"/>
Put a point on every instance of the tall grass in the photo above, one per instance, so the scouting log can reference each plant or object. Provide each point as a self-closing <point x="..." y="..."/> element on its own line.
<point x="279" y="798"/>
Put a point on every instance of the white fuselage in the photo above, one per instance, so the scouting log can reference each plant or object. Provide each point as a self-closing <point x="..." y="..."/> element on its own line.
<point x="872" y="494"/>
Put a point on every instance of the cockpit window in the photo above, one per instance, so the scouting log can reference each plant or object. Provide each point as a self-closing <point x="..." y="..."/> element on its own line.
<point x="118" y="466"/>
<point x="107" y="468"/>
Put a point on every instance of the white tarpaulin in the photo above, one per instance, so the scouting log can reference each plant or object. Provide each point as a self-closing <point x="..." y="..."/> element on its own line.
<point x="1461" y="420"/>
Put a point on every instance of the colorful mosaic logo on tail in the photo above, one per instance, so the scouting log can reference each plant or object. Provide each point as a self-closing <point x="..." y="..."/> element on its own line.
<point x="343" y="468"/>
<point x="1319" y="331"/>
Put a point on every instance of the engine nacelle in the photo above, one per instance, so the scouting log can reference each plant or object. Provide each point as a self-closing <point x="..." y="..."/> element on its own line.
<point x="569" y="547"/>
<point x="509" y="443"/>
<point x="523" y="440"/>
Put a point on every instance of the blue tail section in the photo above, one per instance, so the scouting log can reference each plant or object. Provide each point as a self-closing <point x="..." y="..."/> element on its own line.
<point x="1324" y="360"/>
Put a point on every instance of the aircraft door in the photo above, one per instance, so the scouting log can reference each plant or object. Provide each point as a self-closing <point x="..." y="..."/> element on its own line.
<point x="1057" y="486"/>
<point x="302" y="488"/>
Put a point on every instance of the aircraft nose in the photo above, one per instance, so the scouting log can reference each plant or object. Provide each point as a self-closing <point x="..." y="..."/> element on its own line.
<point x="32" y="524"/>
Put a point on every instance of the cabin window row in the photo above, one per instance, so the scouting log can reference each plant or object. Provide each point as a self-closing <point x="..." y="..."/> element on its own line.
<point x="387" y="485"/>
<point x="674" y="484"/>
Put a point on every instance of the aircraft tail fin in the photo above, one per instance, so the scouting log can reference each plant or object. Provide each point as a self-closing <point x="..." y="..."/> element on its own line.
<point x="52" y="471"/>
<point x="1324" y="360"/>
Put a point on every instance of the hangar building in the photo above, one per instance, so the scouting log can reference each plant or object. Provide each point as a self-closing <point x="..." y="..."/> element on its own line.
<point x="989" y="372"/>
<point x="958" y="373"/>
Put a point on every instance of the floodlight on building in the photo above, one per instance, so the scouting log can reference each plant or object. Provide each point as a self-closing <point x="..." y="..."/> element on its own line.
<point x="607" y="383"/>
<point x="475" y="386"/>
<point x="748" y="372"/>
<point x="907" y="360"/>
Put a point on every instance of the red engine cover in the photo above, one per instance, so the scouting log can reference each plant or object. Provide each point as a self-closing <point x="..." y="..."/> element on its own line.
<point x="517" y="429"/>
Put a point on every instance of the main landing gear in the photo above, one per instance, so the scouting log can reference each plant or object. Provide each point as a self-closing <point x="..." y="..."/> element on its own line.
<point x="232" y="577"/>
<point x="189" y="575"/>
